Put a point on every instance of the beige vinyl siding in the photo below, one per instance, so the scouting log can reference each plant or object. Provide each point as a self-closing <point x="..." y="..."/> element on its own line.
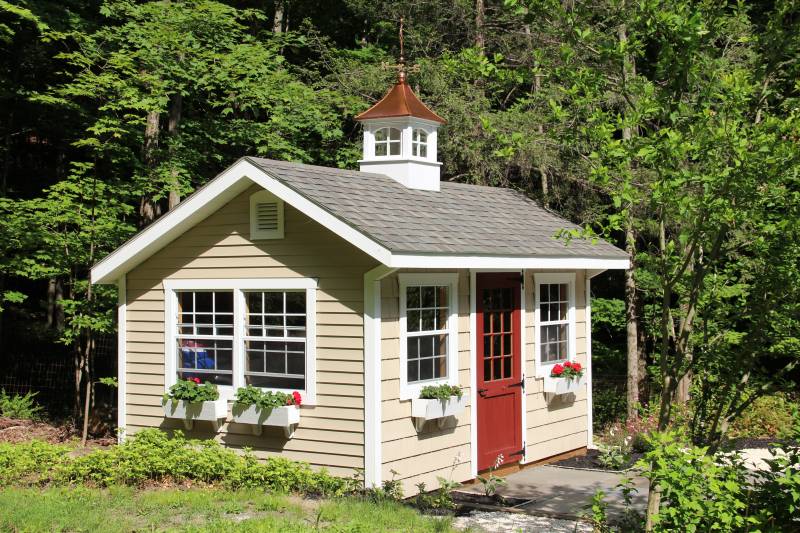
<point x="421" y="457"/>
<point x="330" y="434"/>
<point x="560" y="425"/>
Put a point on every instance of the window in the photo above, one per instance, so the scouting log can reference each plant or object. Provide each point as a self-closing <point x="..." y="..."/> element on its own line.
<point x="428" y="331"/>
<point x="205" y="336"/>
<point x="275" y="339"/>
<point x="419" y="143"/>
<point x="387" y="142"/>
<point x="555" y="318"/>
<point x="266" y="216"/>
<point x="239" y="332"/>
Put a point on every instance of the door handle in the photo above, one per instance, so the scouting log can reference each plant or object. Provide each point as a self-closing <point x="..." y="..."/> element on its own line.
<point x="483" y="392"/>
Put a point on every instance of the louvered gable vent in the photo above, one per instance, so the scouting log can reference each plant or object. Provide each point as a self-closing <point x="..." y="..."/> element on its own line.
<point x="266" y="216"/>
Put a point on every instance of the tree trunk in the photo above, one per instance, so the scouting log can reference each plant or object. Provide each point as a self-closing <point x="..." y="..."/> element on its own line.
<point x="149" y="209"/>
<point x="175" y="110"/>
<point x="480" y="36"/>
<point x="277" y="21"/>
<point x="631" y="326"/>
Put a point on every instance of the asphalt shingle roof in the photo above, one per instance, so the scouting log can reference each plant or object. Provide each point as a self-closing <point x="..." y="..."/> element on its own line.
<point x="459" y="219"/>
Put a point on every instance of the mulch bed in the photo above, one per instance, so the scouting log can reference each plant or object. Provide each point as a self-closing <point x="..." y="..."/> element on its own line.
<point x="591" y="461"/>
<point x="745" y="443"/>
<point x="15" y="431"/>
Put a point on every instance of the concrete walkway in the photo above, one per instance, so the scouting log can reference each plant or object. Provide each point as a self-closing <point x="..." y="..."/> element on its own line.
<point x="566" y="492"/>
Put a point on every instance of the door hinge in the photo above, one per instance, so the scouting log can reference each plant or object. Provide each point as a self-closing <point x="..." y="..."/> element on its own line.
<point x="519" y="452"/>
<point x="520" y="384"/>
<point x="518" y="278"/>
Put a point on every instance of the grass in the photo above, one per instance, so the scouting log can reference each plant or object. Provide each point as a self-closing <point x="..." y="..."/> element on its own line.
<point x="122" y="509"/>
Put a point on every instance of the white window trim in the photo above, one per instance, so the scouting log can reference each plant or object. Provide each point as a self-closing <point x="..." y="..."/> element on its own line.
<point x="388" y="142"/>
<point x="543" y="369"/>
<point x="257" y="234"/>
<point x="239" y="286"/>
<point x="412" y="390"/>
<point x="426" y="144"/>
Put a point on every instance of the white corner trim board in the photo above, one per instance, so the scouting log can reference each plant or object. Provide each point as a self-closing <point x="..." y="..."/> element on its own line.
<point x="473" y="376"/>
<point x="122" y="357"/>
<point x="242" y="174"/>
<point x="373" y="442"/>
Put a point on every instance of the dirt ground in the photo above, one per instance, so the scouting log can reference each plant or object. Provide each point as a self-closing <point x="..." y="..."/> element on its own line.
<point x="14" y="430"/>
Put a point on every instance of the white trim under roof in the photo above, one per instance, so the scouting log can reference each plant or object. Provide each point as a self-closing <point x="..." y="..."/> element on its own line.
<point x="242" y="174"/>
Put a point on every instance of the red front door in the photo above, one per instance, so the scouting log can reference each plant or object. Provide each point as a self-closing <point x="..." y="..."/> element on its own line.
<point x="499" y="378"/>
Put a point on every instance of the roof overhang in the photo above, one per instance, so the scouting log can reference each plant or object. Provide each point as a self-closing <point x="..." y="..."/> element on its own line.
<point x="242" y="174"/>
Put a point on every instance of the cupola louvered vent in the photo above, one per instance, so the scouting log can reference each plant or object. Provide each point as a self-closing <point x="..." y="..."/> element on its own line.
<point x="266" y="216"/>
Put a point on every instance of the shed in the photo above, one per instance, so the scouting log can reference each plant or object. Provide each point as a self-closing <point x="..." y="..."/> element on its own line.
<point x="358" y="289"/>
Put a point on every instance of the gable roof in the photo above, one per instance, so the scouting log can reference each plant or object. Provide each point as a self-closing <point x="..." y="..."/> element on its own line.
<point x="400" y="101"/>
<point x="460" y="226"/>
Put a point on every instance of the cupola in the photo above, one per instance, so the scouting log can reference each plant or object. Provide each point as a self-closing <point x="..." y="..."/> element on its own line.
<point x="400" y="138"/>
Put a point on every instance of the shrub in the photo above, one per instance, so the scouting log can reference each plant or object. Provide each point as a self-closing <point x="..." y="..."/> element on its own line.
<point x="151" y="455"/>
<point x="23" y="407"/>
<point x="29" y="462"/>
<point x="718" y="493"/>
<point x="192" y="391"/>
<point x="613" y="457"/>
<point x="440" y="392"/>
<point x="768" y="417"/>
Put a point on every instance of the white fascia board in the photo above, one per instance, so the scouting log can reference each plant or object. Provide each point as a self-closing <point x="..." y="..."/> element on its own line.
<point x="506" y="263"/>
<point x="194" y="209"/>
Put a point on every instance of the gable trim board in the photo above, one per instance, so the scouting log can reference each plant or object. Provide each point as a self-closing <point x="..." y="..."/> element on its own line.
<point x="239" y="176"/>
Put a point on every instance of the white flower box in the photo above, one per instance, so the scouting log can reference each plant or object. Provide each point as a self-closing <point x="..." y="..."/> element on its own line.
<point x="563" y="385"/>
<point x="212" y="411"/>
<point x="423" y="410"/>
<point x="286" y="417"/>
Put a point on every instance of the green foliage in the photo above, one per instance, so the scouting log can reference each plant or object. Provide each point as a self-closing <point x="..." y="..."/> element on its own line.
<point x="702" y="492"/>
<point x="153" y="456"/>
<point x="20" y="406"/>
<point x="491" y="482"/>
<point x="613" y="457"/>
<point x="192" y="391"/>
<point x="768" y="417"/>
<point x="440" y="392"/>
<point x="249" y="395"/>
<point x="609" y="404"/>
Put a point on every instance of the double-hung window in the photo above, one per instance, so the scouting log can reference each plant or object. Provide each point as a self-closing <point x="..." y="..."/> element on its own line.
<point x="204" y="336"/>
<point x="555" y="319"/>
<point x="242" y="332"/>
<point x="428" y="331"/>
<point x="275" y="339"/>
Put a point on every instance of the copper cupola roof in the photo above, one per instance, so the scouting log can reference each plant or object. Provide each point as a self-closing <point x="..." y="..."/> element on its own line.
<point x="400" y="101"/>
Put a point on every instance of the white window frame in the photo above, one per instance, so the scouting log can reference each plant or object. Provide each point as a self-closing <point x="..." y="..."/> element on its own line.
<point x="258" y="234"/>
<point x="412" y="390"/>
<point x="388" y="142"/>
<point x="543" y="369"/>
<point x="419" y="144"/>
<point x="239" y="287"/>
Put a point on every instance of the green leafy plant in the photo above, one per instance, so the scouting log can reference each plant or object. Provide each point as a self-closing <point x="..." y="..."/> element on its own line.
<point x="768" y="417"/>
<point x="190" y="390"/>
<point x="250" y="395"/>
<point x="23" y="407"/>
<point x="153" y="456"/>
<point x="491" y="482"/>
<point x="612" y="457"/>
<point x="440" y="392"/>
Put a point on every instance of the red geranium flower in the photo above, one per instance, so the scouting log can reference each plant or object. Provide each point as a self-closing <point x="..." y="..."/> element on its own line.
<point x="297" y="399"/>
<point x="196" y="380"/>
<point x="567" y="364"/>
<point x="577" y="367"/>
<point x="557" y="370"/>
